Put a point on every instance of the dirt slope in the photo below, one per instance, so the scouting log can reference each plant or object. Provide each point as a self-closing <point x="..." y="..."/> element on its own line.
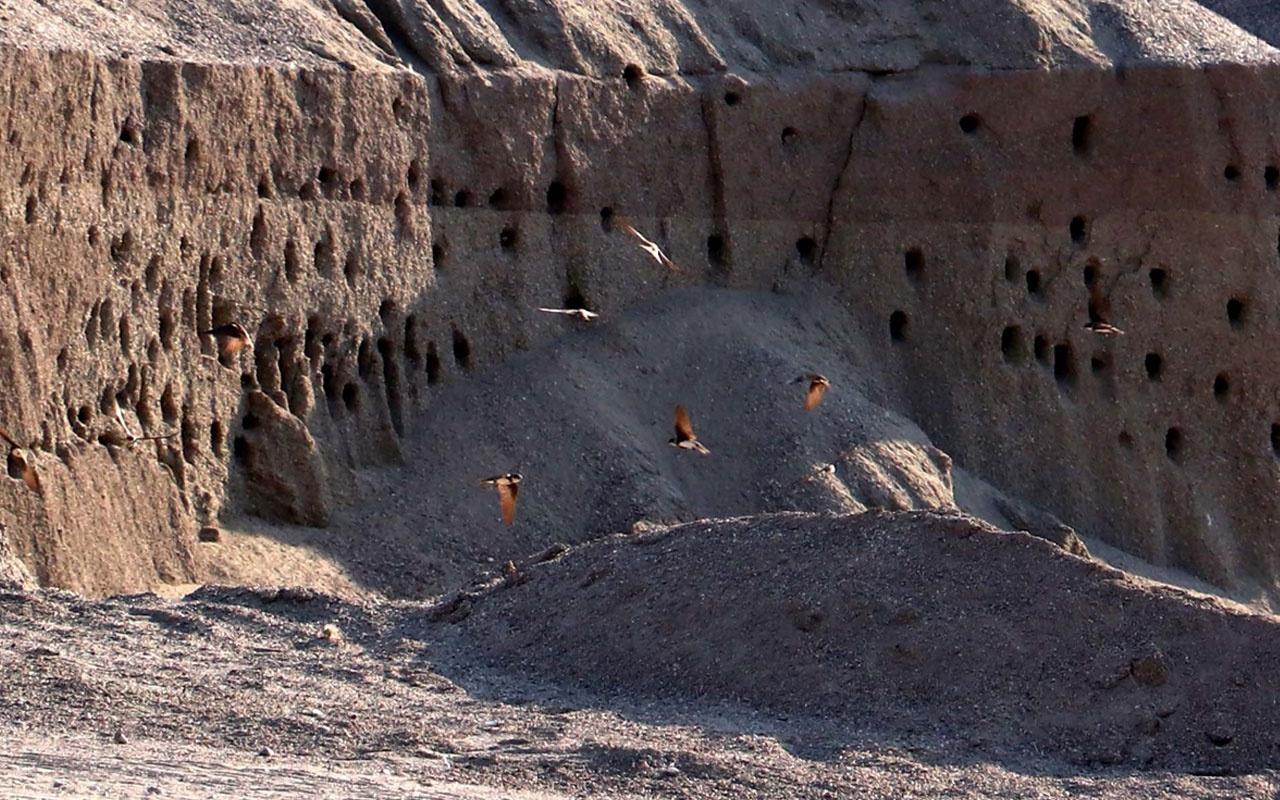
<point x="922" y="623"/>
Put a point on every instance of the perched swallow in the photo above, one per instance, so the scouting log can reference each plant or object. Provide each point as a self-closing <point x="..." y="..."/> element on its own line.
<point x="685" y="438"/>
<point x="1099" y="308"/>
<point x="649" y="247"/>
<point x="21" y="465"/>
<point x="580" y="313"/>
<point x="817" y="387"/>
<point x="508" y="487"/>
<point x="231" y="337"/>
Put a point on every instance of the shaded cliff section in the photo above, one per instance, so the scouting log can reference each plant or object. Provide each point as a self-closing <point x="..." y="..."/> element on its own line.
<point x="383" y="194"/>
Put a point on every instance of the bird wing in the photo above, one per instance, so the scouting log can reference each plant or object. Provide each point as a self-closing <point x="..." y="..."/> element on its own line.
<point x="684" y="426"/>
<point x="556" y="310"/>
<point x="507" y="497"/>
<point x="650" y="247"/>
<point x="816" y="390"/>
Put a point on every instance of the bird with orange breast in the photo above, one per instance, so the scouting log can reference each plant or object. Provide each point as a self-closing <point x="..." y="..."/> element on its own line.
<point x="508" y="487"/>
<point x="685" y="438"/>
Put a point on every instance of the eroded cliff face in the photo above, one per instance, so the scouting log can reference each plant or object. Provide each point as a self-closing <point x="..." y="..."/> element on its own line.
<point x="381" y="229"/>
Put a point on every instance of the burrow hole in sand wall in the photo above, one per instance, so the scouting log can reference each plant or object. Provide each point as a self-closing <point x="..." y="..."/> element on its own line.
<point x="1271" y="177"/>
<point x="1064" y="365"/>
<point x="1236" y="313"/>
<point x="1042" y="350"/>
<point x="1221" y="386"/>
<point x="461" y="349"/>
<point x="1174" y="444"/>
<point x="1082" y="135"/>
<point x="1159" y="279"/>
<point x="557" y="198"/>
<point x="898" y="324"/>
<point x="1154" y="365"/>
<point x="1079" y="230"/>
<point x="806" y="249"/>
<point x="913" y="263"/>
<point x="1012" y="344"/>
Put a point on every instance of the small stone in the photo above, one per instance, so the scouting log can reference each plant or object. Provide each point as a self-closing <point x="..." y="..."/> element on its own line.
<point x="120" y="738"/>
<point x="331" y="633"/>
<point x="1220" y="735"/>
<point x="669" y="771"/>
<point x="209" y="534"/>
<point x="265" y="752"/>
<point x="1150" y="670"/>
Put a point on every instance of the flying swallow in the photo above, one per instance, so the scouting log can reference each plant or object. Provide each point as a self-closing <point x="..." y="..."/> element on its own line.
<point x="231" y="337"/>
<point x="580" y="313"/>
<point x="1099" y="308"/>
<point x="649" y="247"/>
<point x="508" y="487"/>
<point x="817" y="387"/>
<point x="685" y="438"/>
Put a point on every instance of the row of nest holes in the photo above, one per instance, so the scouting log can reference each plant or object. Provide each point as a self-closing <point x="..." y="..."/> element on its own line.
<point x="1236" y="308"/>
<point x="1082" y="145"/>
<point x="1060" y="357"/>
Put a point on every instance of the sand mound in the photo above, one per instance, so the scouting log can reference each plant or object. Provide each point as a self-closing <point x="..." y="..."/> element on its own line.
<point x="927" y="623"/>
<point x="587" y="420"/>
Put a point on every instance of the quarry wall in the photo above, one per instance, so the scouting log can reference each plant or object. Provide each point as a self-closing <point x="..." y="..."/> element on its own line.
<point x="380" y="232"/>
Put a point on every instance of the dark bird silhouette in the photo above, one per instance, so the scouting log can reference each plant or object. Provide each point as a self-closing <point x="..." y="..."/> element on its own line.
<point x="649" y="247"/>
<point x="817" y="387"/>
<point x="508" y="487"/>
<point x="231" y="338"/>
<point x="1099" y="310"/>
<point x="685" y="438"/>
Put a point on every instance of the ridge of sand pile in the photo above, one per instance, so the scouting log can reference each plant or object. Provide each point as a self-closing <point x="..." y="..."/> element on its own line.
<point x="919" y="622"/>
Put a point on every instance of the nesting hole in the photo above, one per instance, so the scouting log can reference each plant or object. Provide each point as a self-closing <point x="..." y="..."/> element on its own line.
<point x="1231" y="172"/>
<point x="1154" y="365"/>
<point x="732" y="98"/>
<point x="1012" y="344"/>
<point x="1033" y="282"/>
<point x="499" y="199"/>
<point x="1012" y="268"/>
<point x="1064" y="365"/>
<point x="438" y="253"/>
<point x="462" y="199"/>
<point x="32" y="206"/>
<point x="1079" y="230"/>
<point x="1099" y="363"/>
<point x="1082" y="135"/>
<point x="508" y="238"/>
<point x="1126" y="440"/>
<point x="789" y="135"/>
<point x="1236" y="312"/>
<point x="1271" y="176"/>
<point x="898" y="323"/>
<point x="433" y="364"/>
<point x="633" y="74"/>
<point x="461" y="349"/>
<point x="351" y="397"/>
<point x="1159" y="282"/>
<point x="1275" y="440"/>
<point x="437" y="195"/>
<point x="716" y="251"/>
<point x="1091" y="273"/>
<point x="806" y="248"/>
<point x="1042" y="349"/>
<point x="1174" y="444"/>
<point x="1221" y="386"/>
<point x="913" y="261"/>
<point x="557" y="197"/>
<point x="218" y="439"/>
<point x="970" y="123"/>
<point x="606" y="219"/>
